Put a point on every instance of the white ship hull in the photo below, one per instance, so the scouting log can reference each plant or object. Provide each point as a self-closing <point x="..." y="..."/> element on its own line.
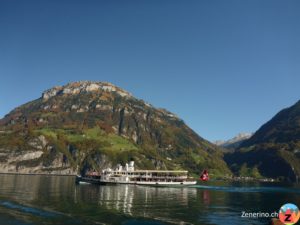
<point x="151" y="183"/>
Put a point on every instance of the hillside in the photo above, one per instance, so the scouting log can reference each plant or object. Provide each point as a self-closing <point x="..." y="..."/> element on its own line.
<point x="91" y="125"/>
<point x="274" y="149"/>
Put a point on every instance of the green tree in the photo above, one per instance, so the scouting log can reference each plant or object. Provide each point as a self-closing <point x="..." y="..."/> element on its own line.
<point x="244" y="171"/>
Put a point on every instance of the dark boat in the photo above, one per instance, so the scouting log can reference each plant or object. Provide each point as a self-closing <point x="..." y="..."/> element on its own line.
<point x="87" y="180"/>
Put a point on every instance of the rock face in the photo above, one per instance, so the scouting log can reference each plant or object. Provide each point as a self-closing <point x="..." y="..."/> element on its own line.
<point x="275" y="148"/>
<point x="84" y="87"/>
<point x="85" y="125"/>
<point x="15" y="160"/>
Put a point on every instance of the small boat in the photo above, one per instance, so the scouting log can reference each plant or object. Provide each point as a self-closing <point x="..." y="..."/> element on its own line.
<point x="128" y="175"/>
<point x="89" y="178"/>
<point x="204" y="176"/>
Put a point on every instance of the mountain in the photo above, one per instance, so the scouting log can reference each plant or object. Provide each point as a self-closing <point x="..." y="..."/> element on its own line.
<point x="274" y="149"/>
<point x="91" y="125"/>
<point x="234" y="142"/>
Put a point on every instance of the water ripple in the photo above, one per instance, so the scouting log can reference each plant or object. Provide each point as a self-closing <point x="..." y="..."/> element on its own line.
<point x="27" y="209"/>
<point x="249" y="189"/>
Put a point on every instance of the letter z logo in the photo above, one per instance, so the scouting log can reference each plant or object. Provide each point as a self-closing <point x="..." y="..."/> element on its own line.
<point x="287" y="218"/>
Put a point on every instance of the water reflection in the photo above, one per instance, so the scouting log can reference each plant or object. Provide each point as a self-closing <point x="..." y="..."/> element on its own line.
<point x="92" y="204"/>
<point x="206" y="197"/>
<point x="119" y="198"/>
<point x="139" y="201"/>
<point x="20" y="187"/>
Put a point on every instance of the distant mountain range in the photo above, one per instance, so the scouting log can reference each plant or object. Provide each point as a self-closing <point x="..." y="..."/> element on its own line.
<point x="273" y="150"/>
<point x="91" y="125"/>
<point x="234" y="142"/>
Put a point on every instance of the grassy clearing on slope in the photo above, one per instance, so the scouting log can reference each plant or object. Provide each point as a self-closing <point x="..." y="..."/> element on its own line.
<point x="48" y="132"/>
<point x="117" y="143"/>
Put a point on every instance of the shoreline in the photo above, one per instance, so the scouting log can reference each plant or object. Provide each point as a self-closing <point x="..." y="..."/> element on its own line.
<point x="243" y="179"/>
<point x="74" y="175"/>
<point x="31" y="174"/>
<point x="252" y="179"/>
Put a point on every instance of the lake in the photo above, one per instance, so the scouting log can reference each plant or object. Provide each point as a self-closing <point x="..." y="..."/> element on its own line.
<point x="36" y="199"/>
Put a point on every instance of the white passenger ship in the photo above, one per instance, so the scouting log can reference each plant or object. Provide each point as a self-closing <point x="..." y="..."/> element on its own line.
<point x="128" y="175"/>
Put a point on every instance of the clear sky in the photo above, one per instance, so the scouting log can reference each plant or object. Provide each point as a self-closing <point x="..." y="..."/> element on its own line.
<point x="224" y="67"/>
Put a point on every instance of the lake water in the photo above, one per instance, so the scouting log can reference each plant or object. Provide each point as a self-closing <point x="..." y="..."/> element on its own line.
<point x="34" y="199"/>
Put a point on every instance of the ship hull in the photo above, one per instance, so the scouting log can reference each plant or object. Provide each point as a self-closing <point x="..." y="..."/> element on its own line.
<point x="149" y="183"/>
<point x="86" y="180"/>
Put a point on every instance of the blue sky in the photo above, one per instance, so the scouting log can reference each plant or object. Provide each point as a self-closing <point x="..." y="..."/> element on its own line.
<point x="223" y="66"/>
